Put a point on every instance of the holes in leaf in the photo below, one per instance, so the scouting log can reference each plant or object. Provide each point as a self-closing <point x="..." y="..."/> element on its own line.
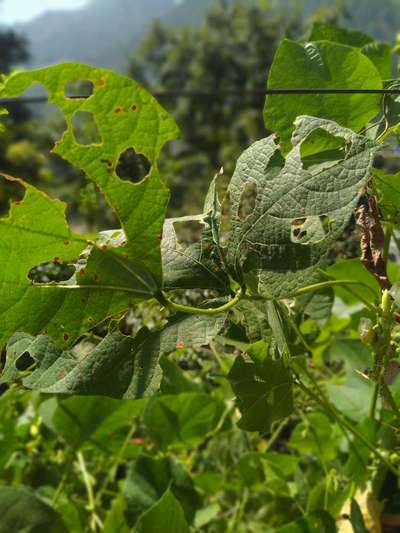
<point x="24" y="362"/>
<point x="188" y="232"/>
<point x="51" y="271"/>
<point x="79" y="89"/>
<point x="322" y="149"/>
<point x="310" y="230"/>
<point x="247" y="200"/>
<point x="132" y="166"/>
<point x="274" y="165"/>
<point x="85" y="128"/>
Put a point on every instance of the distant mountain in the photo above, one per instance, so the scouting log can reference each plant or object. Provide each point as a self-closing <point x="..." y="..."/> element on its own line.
<point x="106" y="32"/>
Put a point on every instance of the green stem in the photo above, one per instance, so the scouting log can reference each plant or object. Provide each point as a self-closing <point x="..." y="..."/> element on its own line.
<point x="325" y="285"/>
<point x="91" y="507"/>
<point x="374" y="399"/>
<point x="117" y="459"/>
<point x="179" y="308"/>
<point x="276" y="434"/>
<point x="342" y="422"/>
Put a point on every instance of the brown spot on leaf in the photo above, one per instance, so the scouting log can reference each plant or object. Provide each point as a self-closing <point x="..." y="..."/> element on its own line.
<point x="82" y="271"/>
<point x="180" y="345"/>
<point x="101" y="83"/>
<point x="65" y="337"/>
<point x="134" y="107"/>
<point x="56" y="260"/>
<point x="67" y="243"/>
<point x="61" y="374"/>
<point x="104" y="247"/>
<point x="119" y="110"/>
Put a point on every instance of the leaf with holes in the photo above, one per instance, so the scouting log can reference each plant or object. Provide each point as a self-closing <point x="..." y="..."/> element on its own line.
<point x="301" y="204"/>
<point x="127" y="118"/>
<point x="119" y="366"/>
<point x="36" y="232"/>
<point x="122" y="118"/>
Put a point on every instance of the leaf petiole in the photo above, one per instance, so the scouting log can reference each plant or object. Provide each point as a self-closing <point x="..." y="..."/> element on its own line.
<point x="180" y="308"/>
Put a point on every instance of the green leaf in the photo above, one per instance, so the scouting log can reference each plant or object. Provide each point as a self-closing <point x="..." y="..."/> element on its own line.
<point x="148" y="479"/>
<point x="300" y="210"/>
<point x="264" y="390"/>
<point x="388" y="191"/>
<point x="320" y="64"/>
<point x="106" y="281"/>
<point x="379" y="53"/>
<point x="101" y="421"/>
<point x="165" y="516"/>
<point x="22" y="511"/>
<point x="325" y="32"/>
<point x="199" y="265"/>
<point x="353" y="269"/>
<point x="356" y="518"/>
<point x="174" y="381"/>
<point x="115" y="519"/>
<point x="127" y="116"/>
<point x="119" y="366"/>
<point x="316" y="435"/>
<point x="254" y="315"/>
<point x="181" y="420"/>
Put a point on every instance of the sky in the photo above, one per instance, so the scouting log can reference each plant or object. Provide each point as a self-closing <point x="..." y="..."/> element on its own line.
<point x="12" y="11"/>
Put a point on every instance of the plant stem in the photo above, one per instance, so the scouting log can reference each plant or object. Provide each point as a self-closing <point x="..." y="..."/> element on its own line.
<point x="343" y="422"/>
<point x="179" y="308"/>
<point x="374" y="399"/>
<point x="91" y="507"/>
<point x="117" y="459"/>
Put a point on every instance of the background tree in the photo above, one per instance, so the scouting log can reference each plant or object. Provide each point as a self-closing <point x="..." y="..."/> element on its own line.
<point x="226" y="56"/>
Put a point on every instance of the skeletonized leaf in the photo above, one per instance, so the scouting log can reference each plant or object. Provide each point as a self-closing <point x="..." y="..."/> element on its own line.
<point x="301" y="204"/>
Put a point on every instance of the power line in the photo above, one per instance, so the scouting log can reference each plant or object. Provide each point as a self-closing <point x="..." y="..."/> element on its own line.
<point x="183" y="93"/>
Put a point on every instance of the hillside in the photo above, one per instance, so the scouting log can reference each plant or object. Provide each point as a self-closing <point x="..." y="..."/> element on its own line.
<point x="106" y="32"/>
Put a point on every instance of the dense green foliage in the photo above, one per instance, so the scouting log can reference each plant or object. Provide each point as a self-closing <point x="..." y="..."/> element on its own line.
<point x="239" y="382"/>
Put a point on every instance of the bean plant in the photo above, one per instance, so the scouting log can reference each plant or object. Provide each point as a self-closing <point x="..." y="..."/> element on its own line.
<point x="234" y="371"/>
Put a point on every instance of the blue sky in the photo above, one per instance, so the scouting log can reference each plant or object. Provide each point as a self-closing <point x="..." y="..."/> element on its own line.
<point x="21" y="10"/>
